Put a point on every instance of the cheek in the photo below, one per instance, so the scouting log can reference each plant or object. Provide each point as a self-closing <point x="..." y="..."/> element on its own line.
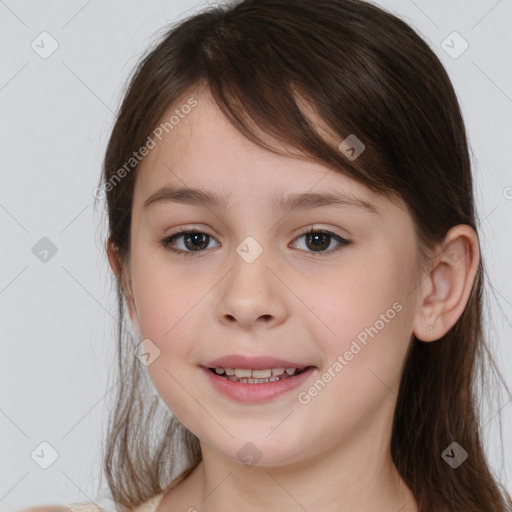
<point x="165" y="295"/>
<point x="170" y="307"/>
<point x="361" y="314"/>
<point x="364" y="342"/>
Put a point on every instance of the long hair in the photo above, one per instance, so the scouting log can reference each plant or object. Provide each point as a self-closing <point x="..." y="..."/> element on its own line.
<point x="365" y="72"/>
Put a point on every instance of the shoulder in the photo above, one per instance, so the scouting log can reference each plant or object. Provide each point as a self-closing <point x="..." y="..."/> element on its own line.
<point x="148" y="506"/>
<point x="47" y="508"/>
<point x="72" y="507"/>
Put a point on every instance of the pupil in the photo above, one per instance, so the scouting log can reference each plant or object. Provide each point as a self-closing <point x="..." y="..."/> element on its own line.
<point x="315" y="236"/>
<point x="196" y="237"/>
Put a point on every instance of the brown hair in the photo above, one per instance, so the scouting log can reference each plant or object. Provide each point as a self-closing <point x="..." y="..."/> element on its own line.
<point x="365" y="72"/>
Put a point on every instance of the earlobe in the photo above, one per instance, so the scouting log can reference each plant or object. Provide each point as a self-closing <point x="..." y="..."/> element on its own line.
<point x="113" y="258"/>
<point x="446" y="290"/>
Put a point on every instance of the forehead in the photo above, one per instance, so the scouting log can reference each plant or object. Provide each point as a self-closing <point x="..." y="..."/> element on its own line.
<point x="203" y="150"/>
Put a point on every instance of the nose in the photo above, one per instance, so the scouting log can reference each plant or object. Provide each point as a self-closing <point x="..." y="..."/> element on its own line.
<point x="252" y="297"/>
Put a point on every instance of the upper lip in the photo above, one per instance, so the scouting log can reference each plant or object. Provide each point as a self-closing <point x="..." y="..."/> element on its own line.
<point x="253" y="363"/>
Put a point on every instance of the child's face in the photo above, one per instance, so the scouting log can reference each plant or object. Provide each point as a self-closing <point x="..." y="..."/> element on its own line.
<point x="299" y="300"/>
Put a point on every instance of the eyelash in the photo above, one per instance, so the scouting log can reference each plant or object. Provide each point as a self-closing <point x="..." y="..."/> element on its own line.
<point x="165" y="243"/>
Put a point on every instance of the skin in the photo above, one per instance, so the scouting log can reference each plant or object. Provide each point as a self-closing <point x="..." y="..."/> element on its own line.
<point x="333" y="453"/>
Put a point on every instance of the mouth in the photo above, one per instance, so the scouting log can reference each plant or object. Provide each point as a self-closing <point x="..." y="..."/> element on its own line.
<point x="258" y="376"/>
<point x="259" y="385"/>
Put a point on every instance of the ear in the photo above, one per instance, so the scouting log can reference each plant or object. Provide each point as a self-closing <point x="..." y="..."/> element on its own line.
<point x="118" y="269"/>
<point x="445" y="291"/>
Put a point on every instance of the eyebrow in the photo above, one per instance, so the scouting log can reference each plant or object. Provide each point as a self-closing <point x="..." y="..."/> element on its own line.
<point x="298" y="201"/>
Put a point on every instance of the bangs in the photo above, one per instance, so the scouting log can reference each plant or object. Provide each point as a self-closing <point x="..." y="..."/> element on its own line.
<point x="255" y="82"/>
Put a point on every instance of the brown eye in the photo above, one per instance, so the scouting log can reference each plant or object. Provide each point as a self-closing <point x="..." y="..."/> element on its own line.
<point x="192" y="242"/>
<point x="318" y="240"/>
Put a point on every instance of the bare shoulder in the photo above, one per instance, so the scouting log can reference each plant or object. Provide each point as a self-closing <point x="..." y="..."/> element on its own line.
<point x="71" y="507"/>
<point x="47" y="508"/>
<point x="85" y="506"/>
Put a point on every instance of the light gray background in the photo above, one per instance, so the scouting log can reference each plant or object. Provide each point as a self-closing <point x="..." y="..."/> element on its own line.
<point x="57" y="318"/>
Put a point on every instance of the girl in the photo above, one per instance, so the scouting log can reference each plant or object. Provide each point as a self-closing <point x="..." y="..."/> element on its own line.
<point x="293" y="233"/>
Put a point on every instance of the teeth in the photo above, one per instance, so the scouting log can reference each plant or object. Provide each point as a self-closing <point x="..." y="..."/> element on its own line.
<point x="242" y="372"/>
<point x="261" y="374"/>
<point x="252" y="381"/>
<point x="267" y="375"/>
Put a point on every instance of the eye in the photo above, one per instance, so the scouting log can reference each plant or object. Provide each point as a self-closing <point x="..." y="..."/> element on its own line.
<point x="196" y="241"/>
<point x="320" y="239"/>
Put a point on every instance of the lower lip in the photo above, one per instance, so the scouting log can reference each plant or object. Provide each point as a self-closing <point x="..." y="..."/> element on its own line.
<point x="255" y="393"/>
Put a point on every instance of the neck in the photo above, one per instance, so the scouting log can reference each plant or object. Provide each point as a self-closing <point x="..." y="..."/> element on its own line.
<point x="362" y="479"/>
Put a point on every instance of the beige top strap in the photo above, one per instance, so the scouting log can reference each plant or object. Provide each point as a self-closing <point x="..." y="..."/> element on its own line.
<point x="148" y="506"/>
<point x="88" y="506"/>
